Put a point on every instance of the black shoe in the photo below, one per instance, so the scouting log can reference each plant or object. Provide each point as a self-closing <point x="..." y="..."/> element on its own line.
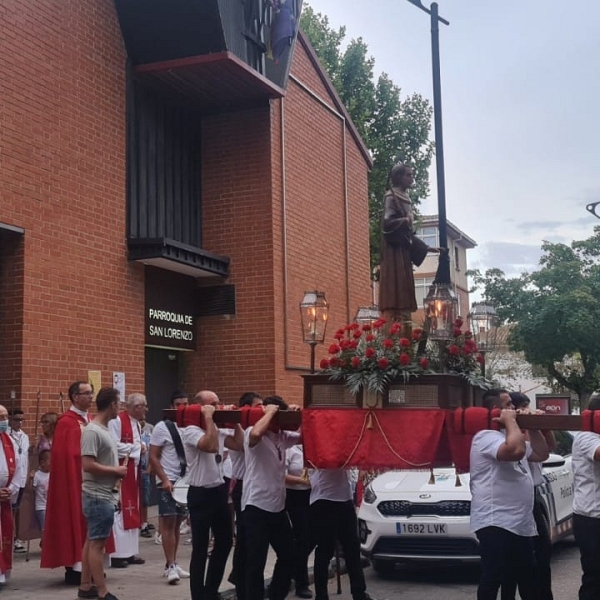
<point x="108" y="596"/>
<point x="135" y="560"/>
<point x="303" y="592"/>
<point x="91" y="593"/>
<point x="72" y="577"/>
<point x="145" y="532"/>
<point x="150" y="527"/>
<point x="119" y="563"/>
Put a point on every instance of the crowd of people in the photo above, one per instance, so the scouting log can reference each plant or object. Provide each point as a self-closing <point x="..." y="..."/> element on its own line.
<point x="106" y="463"/>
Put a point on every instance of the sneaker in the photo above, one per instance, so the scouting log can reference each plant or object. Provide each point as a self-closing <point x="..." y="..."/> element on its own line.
<point x="303" y="592"/>
<point x="181" y="572"/>
<point x="188" y="541"/>
<point x="151" y="527"/>
<point x="19" y="546"/>
<point x="108" y="596"/>
<point x="184" y="529"/>
<point x="145" y="532"/>
<point x="172" y="575"/>
<point x="91" y="593"/>
<point x="157" y="539"/>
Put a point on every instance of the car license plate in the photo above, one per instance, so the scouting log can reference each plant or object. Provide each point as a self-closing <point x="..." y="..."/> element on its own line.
<point x="422" y="528"/>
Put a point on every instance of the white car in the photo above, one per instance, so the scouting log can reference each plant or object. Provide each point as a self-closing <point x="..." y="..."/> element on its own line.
<point x="410" y="516"/>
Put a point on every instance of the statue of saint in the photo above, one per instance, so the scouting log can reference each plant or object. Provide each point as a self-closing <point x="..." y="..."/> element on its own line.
<point x="400" y="249"/>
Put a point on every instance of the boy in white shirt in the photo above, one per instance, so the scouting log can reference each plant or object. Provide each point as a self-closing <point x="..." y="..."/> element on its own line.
<point x="40" y="487"/>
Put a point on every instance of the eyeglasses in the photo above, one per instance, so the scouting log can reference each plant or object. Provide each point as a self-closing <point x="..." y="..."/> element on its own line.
<point x="89" y="394"/>
<point x="140" y="406"/>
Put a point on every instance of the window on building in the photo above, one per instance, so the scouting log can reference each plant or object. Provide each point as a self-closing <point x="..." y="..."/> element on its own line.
<point x="422" y="285"/>
<point x="429" y="235"/>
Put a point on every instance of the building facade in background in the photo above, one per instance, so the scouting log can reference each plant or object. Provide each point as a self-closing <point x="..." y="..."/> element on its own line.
<point x="168" y="191"/>
<point x="459" y="242"/>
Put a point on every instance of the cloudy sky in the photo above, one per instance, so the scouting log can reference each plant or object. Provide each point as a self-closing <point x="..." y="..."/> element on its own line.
<point x="520" y="99"/>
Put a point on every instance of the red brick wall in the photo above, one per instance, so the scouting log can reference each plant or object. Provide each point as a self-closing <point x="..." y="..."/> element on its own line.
<point x="280" y="246"/>
<point x="62" y="178"/>
<point x="71" y="302"/>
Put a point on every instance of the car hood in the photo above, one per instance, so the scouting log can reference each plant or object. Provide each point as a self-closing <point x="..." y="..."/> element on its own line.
<point x="408" y="483"/>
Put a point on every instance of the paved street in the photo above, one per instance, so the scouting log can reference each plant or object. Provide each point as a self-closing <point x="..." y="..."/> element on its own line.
<point x="454" y="584"/>
<point x="29" y="582"/>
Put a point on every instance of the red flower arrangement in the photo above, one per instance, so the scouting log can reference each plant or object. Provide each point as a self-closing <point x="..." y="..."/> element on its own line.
<point x="461" y="353"/>
<point x="367" y="356"/>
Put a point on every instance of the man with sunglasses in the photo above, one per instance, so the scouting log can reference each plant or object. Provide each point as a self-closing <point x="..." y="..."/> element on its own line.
<point x="65" y="528"/>
<point x="207" y="497"/>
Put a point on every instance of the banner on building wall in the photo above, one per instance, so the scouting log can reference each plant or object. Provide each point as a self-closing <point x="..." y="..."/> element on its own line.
<point x="553" y="404"/>
<point x="119" y="384"/>
<point x="169" y="320"/>
<point x="95" y="380"/>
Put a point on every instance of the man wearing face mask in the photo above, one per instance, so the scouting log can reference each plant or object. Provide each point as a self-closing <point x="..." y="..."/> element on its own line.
<point x="9" y="489"/>
<point x="65" y="531"/>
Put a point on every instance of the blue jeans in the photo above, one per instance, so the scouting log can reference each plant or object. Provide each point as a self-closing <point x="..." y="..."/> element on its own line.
<point x="99" y="514"/>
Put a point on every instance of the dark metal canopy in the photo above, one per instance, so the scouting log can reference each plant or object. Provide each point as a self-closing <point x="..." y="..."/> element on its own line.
<point x="175" y="256"/>
<point x="217" y="81"/>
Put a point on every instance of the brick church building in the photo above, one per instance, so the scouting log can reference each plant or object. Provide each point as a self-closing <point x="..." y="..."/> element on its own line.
<point x="168" y="192"/>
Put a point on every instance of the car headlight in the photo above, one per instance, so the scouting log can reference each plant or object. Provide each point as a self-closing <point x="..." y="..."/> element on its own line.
<point x="369" y="495"/>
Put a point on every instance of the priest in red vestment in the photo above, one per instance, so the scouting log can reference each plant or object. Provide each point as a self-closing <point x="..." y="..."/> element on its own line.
<point x="126" y="431"/>
<point x="65" y="529"/>
<point x="9" y="488"/>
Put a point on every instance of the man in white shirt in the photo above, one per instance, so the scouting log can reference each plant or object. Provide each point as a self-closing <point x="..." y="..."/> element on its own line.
<point x="586" y="506"/>
<point x="207" y="498"/>
<point x="502" y="501"/>
<point x="21" y="441"/>
<point x="263" y="504"/>
<point x="238" y="469"/>
<point x="333" y="517"/>
<point x="165" y="464"/>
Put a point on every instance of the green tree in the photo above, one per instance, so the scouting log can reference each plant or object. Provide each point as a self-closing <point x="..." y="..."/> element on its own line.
<point x="555" y="311"/>
<point x="393" y="129"/>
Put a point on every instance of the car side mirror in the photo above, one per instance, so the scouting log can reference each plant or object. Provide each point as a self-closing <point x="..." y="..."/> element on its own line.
<point x="554" y="460"/>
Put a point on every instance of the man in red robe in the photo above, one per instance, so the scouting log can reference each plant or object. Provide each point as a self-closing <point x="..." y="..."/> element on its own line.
<point x="9" y="488"/>
<point x="65" y="528"/>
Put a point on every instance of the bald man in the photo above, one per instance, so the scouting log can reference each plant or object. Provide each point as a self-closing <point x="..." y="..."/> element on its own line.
<point x="207" y="497"/>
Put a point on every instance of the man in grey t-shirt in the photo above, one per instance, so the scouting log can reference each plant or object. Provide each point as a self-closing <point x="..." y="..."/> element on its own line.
<point x="101" y="471"/>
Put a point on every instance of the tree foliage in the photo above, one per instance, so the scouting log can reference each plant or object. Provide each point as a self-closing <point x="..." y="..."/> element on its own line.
<point x="392" y="128"/>
<point x="556" y="312"/>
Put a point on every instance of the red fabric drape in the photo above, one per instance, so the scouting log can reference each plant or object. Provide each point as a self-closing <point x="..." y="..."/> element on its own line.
<point x="378" y="439"/>
<point x="6" y="519"/>
<point x="130" y="488"/>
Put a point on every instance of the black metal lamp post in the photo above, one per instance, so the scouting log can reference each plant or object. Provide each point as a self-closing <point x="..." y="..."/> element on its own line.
<point x="482" y="321"/>
<point x="314" y="310"/>
<point x="441" y="303"/>
<point x="593" y="208"/>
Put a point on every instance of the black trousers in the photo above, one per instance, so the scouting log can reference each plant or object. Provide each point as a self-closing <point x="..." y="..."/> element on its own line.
<point x="505" y="557"/>
<point x="238" y="570"/>
<point x="331" y="521"/>
<point x="264" y="528"/>
<point x="587" y="536"/>
<point x="208" y="511"/>
<point x="543" y="555"/>
<point x="297" y="504"/>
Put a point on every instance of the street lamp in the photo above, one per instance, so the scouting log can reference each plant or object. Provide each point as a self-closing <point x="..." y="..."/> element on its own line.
<point x="441" y="303"/>
<point x="367" y="315"/>
<point x="314" y="310"/>
<point x="482" y="320"/>
<point x="593" y="208"/>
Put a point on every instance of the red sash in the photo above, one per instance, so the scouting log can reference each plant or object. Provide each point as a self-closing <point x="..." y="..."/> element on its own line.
<point x="130" y="488"/>
<point x="6" y="519"/>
